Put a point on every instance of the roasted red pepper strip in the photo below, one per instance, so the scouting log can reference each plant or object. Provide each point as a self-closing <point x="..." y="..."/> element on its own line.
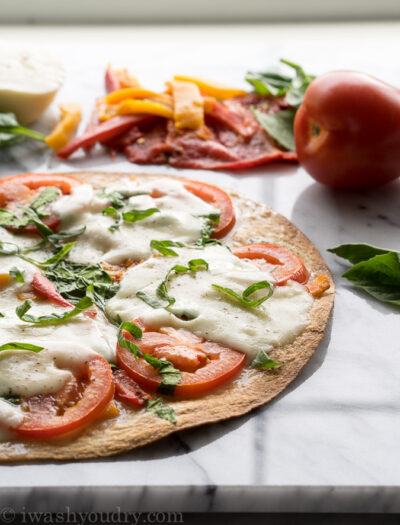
<point x="102" y="133"/>
<point x="127" y="390"/>
<point x="45" y="288"/>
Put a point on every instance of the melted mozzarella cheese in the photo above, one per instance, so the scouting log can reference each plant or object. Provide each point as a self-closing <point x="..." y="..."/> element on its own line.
<point x="179" y="218"/>
<point x="277" y="321"/>
<point x="25" y="373"/>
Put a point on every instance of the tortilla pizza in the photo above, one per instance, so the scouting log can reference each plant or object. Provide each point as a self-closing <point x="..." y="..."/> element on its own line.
<point x="136" y="306"/>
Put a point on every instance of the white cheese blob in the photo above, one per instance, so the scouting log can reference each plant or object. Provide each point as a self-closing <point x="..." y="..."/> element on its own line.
<point x="24" y="373"/>
<point x="277" y="321"/>
<point x="179" y="218"/>
<point x="29" y="82"/>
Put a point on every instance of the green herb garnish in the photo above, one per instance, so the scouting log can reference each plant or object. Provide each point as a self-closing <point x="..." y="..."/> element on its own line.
<point x="244" y="298"/>
<point x="171" y="376"/>
<point x="21" y="346"/>
<point x="376" y="270"/>
<point x="135" y="332"/>
<point x="161" y="409"/>
<point x="17" y="274"/>
<point x="263" y="361"/>
<point x="11" y="131"/>
<point x="46" y="197"/>
<point x="21" y="311"/>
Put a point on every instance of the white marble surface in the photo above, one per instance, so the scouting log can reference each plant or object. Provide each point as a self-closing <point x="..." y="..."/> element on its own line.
<point x="330" y="442"/>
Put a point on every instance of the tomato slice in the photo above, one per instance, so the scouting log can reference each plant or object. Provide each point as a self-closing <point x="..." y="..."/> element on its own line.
<point x="127" y="390"/>
<point x="20" y="190"/>
<point x="218" y="198"/>
<point x="282" y="262"/>
<point x="204" y="365"/>
<point x="83" y="399"/>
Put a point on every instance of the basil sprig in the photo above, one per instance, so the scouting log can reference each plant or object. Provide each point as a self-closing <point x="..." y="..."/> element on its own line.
<point x="164" y="247"/>
<point x="263" y="361"/>
<point x="244" y="299"/>
<point x="161" y="409"/>
<point x="375" y="270"/>
<point x="17" y="274"/>
<point x="135" y="332"/>
<point x="280" y="125"/>
<point x="113" y="212"/>
<point x="11" y="130"/>
<point x="171" y="376"/>
<point x="48" y="195"/>
<point x="21" y="311"/>
<point x="194" y="265"/>
<point x="21" y="346"/>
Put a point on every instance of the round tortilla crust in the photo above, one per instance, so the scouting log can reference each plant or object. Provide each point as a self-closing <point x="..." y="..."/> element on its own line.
<point x="131" y="429"/>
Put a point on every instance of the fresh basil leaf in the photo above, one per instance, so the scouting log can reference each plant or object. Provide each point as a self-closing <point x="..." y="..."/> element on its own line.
<point x="7" y="139"/>
<point x="149" y="300"/>
<point x="17" y="274"/>
<point x="138" y="215"/>
<point x="161" y="409"/>
<point x="31" y="217"/>
<point x="8" y="120"/>
<point x="378" y="276"/>
<point x="194" y="265"/>
<point x="1" y="314"/>
<point x="135" y="332"/>
<point x="10" y="126"/>
<point x="263" y="361"/>
<point x="112" y="212"/>
<point x="269" y="83"/>
<point x="206" y="232"/>
<point x="301" y="81"/>
<point x="73" y="279"/>
<point x="14" y="400"/>
<point x="7" y="218"/>
<point x="60" y="255"/>
<point x="21" y="311"/>
<point x="164" y="247"/>
<point x="244" y="298"/>
<point x="279" y="126"/>
<point x="171" y="376"/>
<point x="21" y="346"/>
<point x="13" y="250"/>
<point x="55" y="238"/>
<point x="356" y="253"/>
<point x="46" y="197"/>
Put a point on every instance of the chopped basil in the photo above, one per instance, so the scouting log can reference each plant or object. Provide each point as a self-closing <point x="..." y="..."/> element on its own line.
<point x="21" y="346"/>
<point x="135" y="332"/>
<point x="376" y="270"/>
<point x="17" y="274"/>
<point x="194" y="265"/>
<point x="46" y="197"/>
<point x="171" y="376"/>
<point x="263" y="361"/>
<point x="113" y="212"/>
<point x="85" y="303"/>
<point x="149" y="300"/>
<point x="14" y="400"/>
<point x="11" y="131"/>
<point x="244" y="298"/>
<point x="7" y="218"/>
<point x="1" y="314"/>
<point x="164" y="247"/>
<point x="55" y="238"/>
<point x="161" y="409"/>
<point x="72" y="281"/>
<point x="13" y="250"/>
<point x="138" y="215"/>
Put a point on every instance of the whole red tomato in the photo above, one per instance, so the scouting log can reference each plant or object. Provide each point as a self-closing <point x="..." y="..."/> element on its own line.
<point x="347" y="130"/>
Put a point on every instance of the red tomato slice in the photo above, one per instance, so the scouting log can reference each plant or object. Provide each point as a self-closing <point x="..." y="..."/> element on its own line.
<point x="127" y="390"/>
<point x="20" y="190"/>
<point x="45" y="288"/>
<point x="283" y="263"/>
<point x="218" y="198"/>
<point x="82" y="400"/>
<point x="204" y="365"/>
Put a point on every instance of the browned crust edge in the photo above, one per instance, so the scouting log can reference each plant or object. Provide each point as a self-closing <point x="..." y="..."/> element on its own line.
<point x="133" y="429"/>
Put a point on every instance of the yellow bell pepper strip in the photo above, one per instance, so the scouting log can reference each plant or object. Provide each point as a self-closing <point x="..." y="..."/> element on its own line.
<point x="134" y="107"/>
<point x="212" y="88"/>
<point x="128" y="93"/>
<point x="71" y="114"/>
<point x="188" y="105"/>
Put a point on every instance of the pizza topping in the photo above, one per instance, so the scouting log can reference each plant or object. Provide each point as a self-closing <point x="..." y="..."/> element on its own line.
<point x="198" y="366"/>
<point x="127" y="390"/>
<point x="121" y="221"/>
<point x="197" y="306"/>
<point x="53" y="318"/>
<point x="244" y="298"/>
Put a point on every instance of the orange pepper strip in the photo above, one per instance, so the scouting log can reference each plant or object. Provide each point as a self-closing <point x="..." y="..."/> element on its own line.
<point x="212" y="88"/>
<point x="4" y="279"/>
<point x="318" y="286"/>
<point x="71" y="114"/>
<point x="133" y="107"/>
